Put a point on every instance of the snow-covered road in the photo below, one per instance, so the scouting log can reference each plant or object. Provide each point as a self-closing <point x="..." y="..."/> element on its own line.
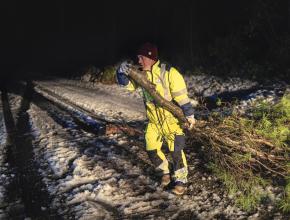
<point x="91" y="174"/>
<point x="109" y="176"/>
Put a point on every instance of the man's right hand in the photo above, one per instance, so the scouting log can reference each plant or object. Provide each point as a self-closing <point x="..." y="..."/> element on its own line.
<point x="191" y="121"/>
<point x="125" y="68"/>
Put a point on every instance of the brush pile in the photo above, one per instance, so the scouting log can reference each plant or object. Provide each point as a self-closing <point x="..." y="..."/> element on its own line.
<point x="249" y="153"/>
<point x="236" y="147"/>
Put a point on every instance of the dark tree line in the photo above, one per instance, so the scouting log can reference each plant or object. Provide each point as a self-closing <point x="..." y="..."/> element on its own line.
<point x="242" y="37"/>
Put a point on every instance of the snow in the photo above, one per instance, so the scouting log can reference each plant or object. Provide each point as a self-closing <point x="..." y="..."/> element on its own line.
<point x="208" y="85"/>
<point x="90" y="175"/>
<point x="3" y="136"/>
<point x="108" y="104"/>
<point x="3" y="176"/>
<point x="96" y="176"/>
<point x="7" y="174"/>
<point x="115" y="103"/>
<point x="112" y="179"/>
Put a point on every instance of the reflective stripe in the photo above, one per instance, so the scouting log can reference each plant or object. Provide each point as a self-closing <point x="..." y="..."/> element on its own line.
<point x="178" y="93"/>
<point x="181" y="175"/>
<point x="167" y="95"/>
<point x="164" y="167"/>
<point x="183" y="101"/>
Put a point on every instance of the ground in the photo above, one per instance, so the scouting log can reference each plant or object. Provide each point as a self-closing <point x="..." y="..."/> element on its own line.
<point x="73" y="150"/>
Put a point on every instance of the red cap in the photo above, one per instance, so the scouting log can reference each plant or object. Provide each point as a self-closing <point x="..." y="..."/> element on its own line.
<point x="148" y="50"/>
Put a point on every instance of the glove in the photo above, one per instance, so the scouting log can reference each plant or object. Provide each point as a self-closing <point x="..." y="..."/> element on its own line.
<point x="125" y="68"/>
<point x="191" y="121"/>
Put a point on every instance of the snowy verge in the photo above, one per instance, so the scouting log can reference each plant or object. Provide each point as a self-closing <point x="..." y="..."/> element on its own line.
<point x="6" y="173"/>
<point x="3" y="167"/>
<point x="208" y="85"/>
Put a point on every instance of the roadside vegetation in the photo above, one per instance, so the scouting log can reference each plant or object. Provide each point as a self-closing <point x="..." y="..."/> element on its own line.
<point x="250" y="153"/>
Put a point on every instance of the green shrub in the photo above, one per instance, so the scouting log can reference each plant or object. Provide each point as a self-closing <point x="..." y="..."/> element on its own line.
<point x="109" y="75"/>
<point x="271" y="122"/>
<point x="247" y="191"/>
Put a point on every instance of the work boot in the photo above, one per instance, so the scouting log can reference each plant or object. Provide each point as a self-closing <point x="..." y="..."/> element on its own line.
<point x="165" y="180"/>
<point x="179" y="188"/>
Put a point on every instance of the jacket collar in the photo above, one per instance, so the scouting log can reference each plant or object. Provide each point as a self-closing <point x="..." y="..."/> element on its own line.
<point x="155" y="66"/>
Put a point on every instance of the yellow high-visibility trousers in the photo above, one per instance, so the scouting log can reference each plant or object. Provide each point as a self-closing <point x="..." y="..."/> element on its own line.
<point x="175" y="139"/>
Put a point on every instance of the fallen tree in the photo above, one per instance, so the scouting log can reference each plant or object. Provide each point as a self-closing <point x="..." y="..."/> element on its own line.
<point x="232" y="147"/>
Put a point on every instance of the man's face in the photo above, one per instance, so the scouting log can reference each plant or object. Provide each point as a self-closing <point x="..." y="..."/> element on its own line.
<point x="145" y="62"/>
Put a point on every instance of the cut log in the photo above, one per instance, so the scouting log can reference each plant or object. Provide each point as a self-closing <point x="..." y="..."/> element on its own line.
<point x="140" y="78"/>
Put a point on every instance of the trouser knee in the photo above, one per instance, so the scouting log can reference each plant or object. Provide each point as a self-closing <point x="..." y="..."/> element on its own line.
<point x="159" y="161"/>
<point x="153" y="156"/>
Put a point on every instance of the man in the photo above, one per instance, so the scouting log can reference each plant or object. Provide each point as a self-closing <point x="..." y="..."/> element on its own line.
<point x="162" y="124"/>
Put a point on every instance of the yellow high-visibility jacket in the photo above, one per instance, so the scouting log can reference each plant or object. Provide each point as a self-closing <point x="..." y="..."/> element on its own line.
<point x="170" y="85"/>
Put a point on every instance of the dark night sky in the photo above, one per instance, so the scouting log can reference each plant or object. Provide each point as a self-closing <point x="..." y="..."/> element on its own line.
<point x="62" y="35"/>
